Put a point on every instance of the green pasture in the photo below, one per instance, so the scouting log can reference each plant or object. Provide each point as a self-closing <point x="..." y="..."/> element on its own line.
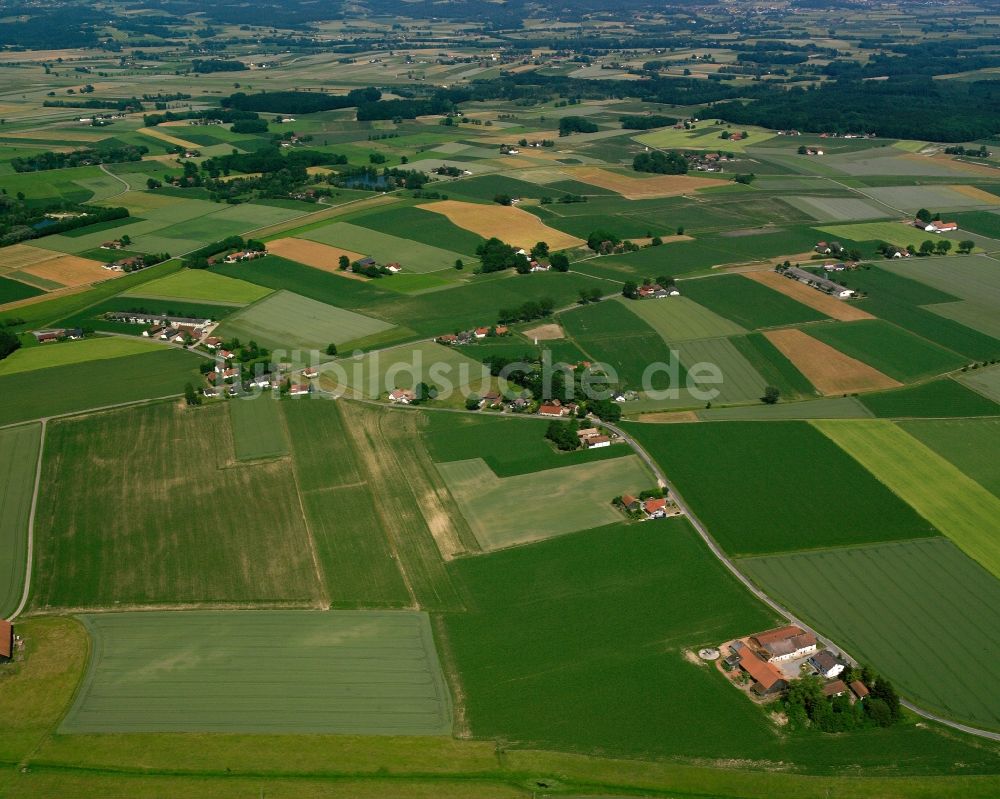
<point x="983" y="381"/>
<point x="510" y="445"/>
<point x="357" y="672"/>
<point x="704" y="137"/>
<point x="983" y="223"/>
<point x="288" y="320"/>
<point x="746" y="302"/>
<point x="66" y="353"/>
<point x="937" y="398"/>
<point x="19" y="447"/>
<point x="888" y="348"/>
<point x="354" y="551"/>
<point x="384" y="247"/>
<point x="952" y="501"/>
<point x="969" y="444"/>
<point x="14" y="290"/>
<point x="552" y="502"/>
<point x="910" y="609"/>
<point x="976" y="279"/>
<point x="682" y="319"/>
<point x="824" y="408"/>
<point x="200" y="285"/>
<point x="258" y="429"/>
<point x="739" y="381"/>
<point x="975" y="316"/>
<point x="745" y="479"/>
<point x="184" y="539"/>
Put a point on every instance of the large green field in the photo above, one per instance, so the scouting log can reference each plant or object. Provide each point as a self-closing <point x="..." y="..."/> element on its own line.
<point x="763" y="487"/>
<point x="921" y="612"/>
<point x="185" y="538"/>
<point x="200" y="285"/>
<point x="356" y="672"/>
<point x="949" y="499"/>
<point x="80" y="386"/>
<point x="970" y="444"/>
<point x="740" y="381"/>
<point x="290" y="321"/>
<point x="746" y="302"/>
<point x="385" y="247"/>
<point x="937" y="398"/>
<point x="19" y="448"/>
<point x="258" y="429"/>
<point x="681" y="319"/>
<point x="67" y="353"/>
<point x="551" y="503"/>
<point x="890" y="349"/>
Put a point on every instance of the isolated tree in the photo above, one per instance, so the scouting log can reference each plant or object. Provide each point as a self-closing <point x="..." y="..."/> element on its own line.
<point x="943" y="247"/>
<point x="540" y="250"/>
<point x="771" y="395"/>
<point x="344" y="262"/>
<point x="472" y="402"/>
<point x="966" y="245"/>
<point x="191" y="397"/>
<point x="459" y="264"/>
<point x="126" y="240"/>
<point x="924" y="215"/>
<point x="331" y="349"/>
<point x="584" y="296"/>
<point x="927" y="247"/>
<point x="656" y="241"/>
<point x="630" y="289"/>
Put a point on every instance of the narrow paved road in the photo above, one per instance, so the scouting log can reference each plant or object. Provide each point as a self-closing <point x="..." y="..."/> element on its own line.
<point x="31" y="526"/>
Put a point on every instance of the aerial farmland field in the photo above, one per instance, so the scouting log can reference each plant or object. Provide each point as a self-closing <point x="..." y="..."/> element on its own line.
<point x="927" y="588"/>
<point x="970" y="444"/>
<point x="200" y="285"/>
<point x="958" y="506"/>
<point x="357" y="672"/>
<point x="681" y="319"/>
<point x="74" y="352"/>
<point x="385" y="247"/>
<point x="19" y="450"/>
<point x="316" y="324"/>
<point x="734" y="475"/>
<point x="748" y="303"/>
<point x="258" y="429"/>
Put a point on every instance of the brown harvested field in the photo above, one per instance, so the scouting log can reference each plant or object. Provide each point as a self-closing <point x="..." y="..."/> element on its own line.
<point x="503" y="221"/>
<point x="828" y="369"/>
<point x="953" y="163"/>
<point x="70" y="270"/>
<point x="644" y="188"/>
<point x="669" y="417"/>
<point x="311" y="253"/>
<point x="824" y="303"/>
<point x="21" y="256"/>
<point x="547" y="332"/>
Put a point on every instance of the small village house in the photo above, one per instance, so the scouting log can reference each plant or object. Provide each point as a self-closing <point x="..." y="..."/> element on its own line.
<point x="827" y="665"/>
<point x="784" y="643"/>
<point x="403" y="396"/>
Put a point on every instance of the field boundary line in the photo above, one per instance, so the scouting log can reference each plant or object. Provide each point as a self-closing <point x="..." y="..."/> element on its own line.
<point x="30" y="554"/>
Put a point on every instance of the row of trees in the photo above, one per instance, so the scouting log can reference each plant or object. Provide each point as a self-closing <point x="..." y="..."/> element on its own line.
<point x="660" y="163"/>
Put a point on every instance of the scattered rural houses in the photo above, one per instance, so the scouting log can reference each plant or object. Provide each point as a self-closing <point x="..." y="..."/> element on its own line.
<point x="827" y="664"/>
<point x="144" y="318"/>
<point x="310" y="373"/>
<point x="471" y="336"/>
<point x="240" y="256"/>
<point x="57" y="334"/>
<point x="936" y="226"/>
<point x="655" y="508"/>
<point x="819" y="283"/>
<point x="834" y="688"/>
<point x="394" y="268"/>
<point x="113" y="245"/>
<point x="656" y="291"/>
<point x="131" y="264"/>
<point x="506" y="149"/>
<point x="829" y="248"/>
<point x="213" y="343"/>
<point x="403" y="396"/>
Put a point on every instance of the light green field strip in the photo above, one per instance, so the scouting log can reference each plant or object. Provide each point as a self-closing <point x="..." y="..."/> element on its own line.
<point x="707" y="137"/>
<point x="971" y="444"/>
<point x="825" y="408"/>
<point x="741" y="382"/>
<point x="200" y="285"/>
<point x="985" y="381"/>
<point x="68" y="352"/>
<point x="288" y="320"/>
<point x="950" y="500"/>
<point x="978" y="316"/>
<point x="682" y="319"/>
<point x="385" y="248"/>
<point x="18" y="459"/>
<point x="921" y="612"/>
<point x="258" y="429"/>
<point x="548" y="503"/>
<point x="349" y="672"/>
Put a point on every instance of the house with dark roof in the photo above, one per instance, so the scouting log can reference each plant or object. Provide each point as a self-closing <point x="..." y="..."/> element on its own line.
<point x="827" y="664"/>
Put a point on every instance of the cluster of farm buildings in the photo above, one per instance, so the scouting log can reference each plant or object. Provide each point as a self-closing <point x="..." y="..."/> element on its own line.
<point x="651" y="508"/>
<point x="770" y="659"/>
<point x="473" y="335"/>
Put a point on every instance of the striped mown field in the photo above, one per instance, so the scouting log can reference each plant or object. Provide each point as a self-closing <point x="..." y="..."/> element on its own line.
<point x="357" y="672"/>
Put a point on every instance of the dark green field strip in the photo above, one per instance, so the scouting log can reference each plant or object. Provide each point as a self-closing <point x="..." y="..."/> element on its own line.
<point x="359" y="672"/>
<point x="18" y="460"/>
<point x="748" y="303"/>
<point x="984" y="223"/>
<point x="81" y="386"/>
<point x="358" y="566"/>
<point x="510" y="446"/>
<point x="938" y="398"/>
<point x="971" y="444"/>
<point x="773" y="365"/>
<point x="611" y="334"/>
<point x="258" y="429"/>
<point x="763" y="487"/>
<point x="888" y="348"/>
<point x="147" y="505"/>
<point x="419" y="225"/>
<point x="921" y="612"/>
<point x="14" y="290"/>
